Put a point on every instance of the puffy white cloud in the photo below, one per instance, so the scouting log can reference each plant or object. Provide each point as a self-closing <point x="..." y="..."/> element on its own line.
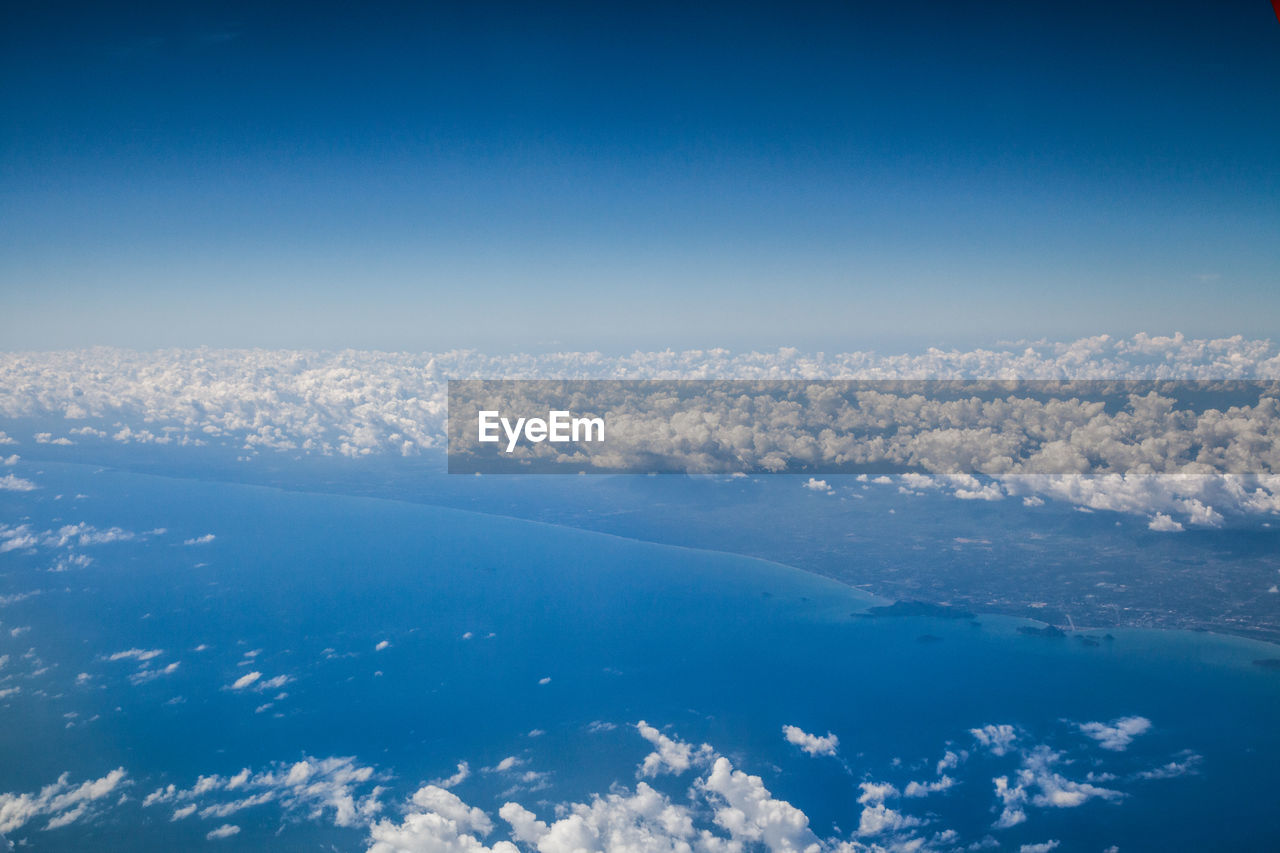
<point x="312" y="788"/>
<point x="136" y="654"/>
<point x="13" y="483"/>
<point x="998" y="739"/>
<point x="463" y="773"/>
<point x="225" y="831"/>
<point x="146" y="673"/>
<point x="255" y="681"/>
<point x="726" y="811"/>
<point x="1117" y="734"/>
<point x="427" y="832"/>
<point x="924" y="789"/>
<point x="1186" y="764"/>
<point x="200" y="540"/>
<point x="752" y="815"/>
<point x="1038" y="782"/>
<point x="1013" y="799"/>
<point x="669" y="755"/>
<point x="61" y="802"/>
<point x="25" y="537"/>
<point x="67" y="562"/>
<point x="245" y="680"/>
<point x="874" y="793"/>
<point x="448" y="805"/>
<point x="951" y="759"/>
<point x="878" y="819"/>
<point x="506" y="765"/>
<point x="437" y="821"/>
<point x="14" y="598"/>
<point x="623" y="821"/>
<point x="1042" y="847"/>
<point x="84" y="534"/>
<point x="1192" y="497"/>
<point x="811" y="744"/>
<point x="814" y="485"/>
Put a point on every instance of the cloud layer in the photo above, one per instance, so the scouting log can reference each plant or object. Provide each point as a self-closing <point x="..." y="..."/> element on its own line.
<point x="363" y="403"/>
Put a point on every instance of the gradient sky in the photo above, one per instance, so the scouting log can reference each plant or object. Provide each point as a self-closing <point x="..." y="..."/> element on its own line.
<point x="600" y="175"/>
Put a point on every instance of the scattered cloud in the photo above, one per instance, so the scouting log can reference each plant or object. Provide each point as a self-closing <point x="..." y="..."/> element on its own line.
<point x="245" y="680"/>
<point x="669" y="755"/>
<point x="1042" y="847"/>
<point x="723" y="808"/>
<point x="145" y="674"/>
<point x="60" y="803"/>
<point x="1185" y="764"/>
<point x="1117" y="734"/>
<point x="24" y="537"/>
<point x="337" y="789"/>
<point x="136" y="654"/>
<point x="506" y="765"/>
<point x="811" y="744"/>
<point x="463" y="773"/>
<point x="1039" y="783"/>
<point x="997" y="739"/>
<point x="13" y="483"/>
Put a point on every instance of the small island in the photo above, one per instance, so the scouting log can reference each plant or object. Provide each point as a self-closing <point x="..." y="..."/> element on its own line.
<point x="1046" y="631"/>
<point x="920" y="608"/>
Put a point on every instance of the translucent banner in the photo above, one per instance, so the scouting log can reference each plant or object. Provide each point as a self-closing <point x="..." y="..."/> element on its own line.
<point x="987" y="427"/>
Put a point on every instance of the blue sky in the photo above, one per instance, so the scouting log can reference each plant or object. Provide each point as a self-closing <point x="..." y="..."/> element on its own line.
<point x="506" y="177"/>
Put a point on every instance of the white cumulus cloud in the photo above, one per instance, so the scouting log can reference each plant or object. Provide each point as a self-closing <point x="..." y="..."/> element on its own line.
<point x="1117" y="734"/>
<point x="811" y="744"/>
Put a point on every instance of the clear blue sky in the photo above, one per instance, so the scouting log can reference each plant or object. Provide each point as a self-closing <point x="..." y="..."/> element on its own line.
<point x="605" y="175"/>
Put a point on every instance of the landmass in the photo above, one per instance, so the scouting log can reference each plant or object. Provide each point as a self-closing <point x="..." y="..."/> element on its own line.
<point x="920" y="608"/>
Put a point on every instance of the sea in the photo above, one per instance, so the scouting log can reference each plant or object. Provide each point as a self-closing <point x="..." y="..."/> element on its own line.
<point x="410" y="638"/>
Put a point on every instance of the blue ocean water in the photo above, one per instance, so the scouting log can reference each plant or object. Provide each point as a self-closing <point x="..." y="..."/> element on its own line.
<point x="496" y="628"/>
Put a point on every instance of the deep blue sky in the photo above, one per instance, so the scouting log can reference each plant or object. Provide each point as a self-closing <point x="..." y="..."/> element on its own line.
<point x="600" y="175"/>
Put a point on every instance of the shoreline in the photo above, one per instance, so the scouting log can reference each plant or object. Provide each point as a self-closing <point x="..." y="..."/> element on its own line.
<point x="871" y="597"/>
